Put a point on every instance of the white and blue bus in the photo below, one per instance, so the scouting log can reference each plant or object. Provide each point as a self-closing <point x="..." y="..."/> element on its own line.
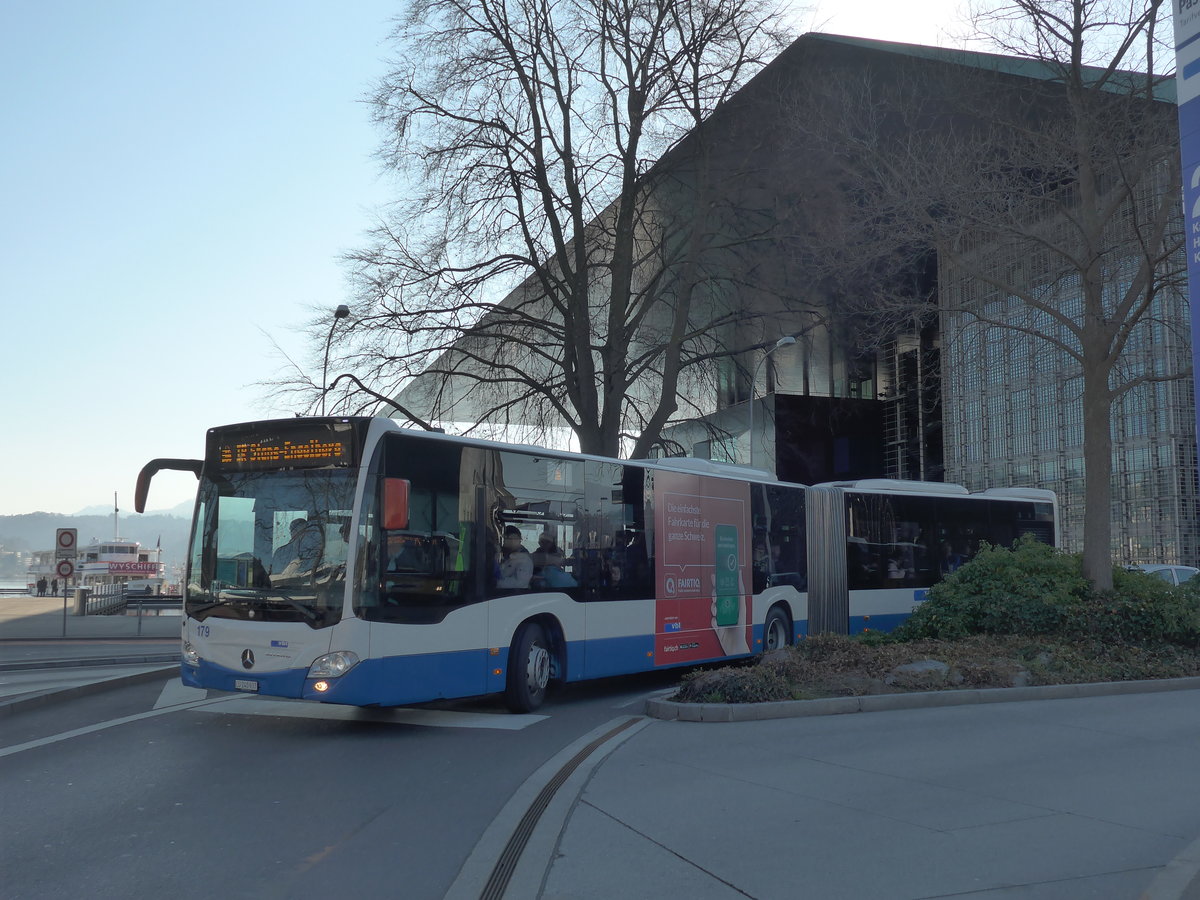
<point x="349" y="560"/>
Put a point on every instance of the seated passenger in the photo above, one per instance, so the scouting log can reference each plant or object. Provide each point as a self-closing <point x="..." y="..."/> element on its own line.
<point x="951" y="561"/>
<point x="516" y="565"/>
<point x="547" y="552"/>
<point x="549" y="564"/>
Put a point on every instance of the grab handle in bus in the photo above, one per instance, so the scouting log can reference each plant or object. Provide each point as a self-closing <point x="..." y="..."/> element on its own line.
<point x="155" y="465"/>
<point x="395" y="504"/>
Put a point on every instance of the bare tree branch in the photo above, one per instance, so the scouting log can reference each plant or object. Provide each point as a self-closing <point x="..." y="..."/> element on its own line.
<point x="568" y="244"/>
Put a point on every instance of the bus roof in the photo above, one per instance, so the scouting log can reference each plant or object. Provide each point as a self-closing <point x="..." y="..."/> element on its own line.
<point x="896" y="484"/>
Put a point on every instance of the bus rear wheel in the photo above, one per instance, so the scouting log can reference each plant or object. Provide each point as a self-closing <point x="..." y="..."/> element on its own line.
<point x="528" y="669"/>
<point x="777" y="632"/>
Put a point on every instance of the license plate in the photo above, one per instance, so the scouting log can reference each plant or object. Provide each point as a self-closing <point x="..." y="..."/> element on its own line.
<point x="242" y="685"/>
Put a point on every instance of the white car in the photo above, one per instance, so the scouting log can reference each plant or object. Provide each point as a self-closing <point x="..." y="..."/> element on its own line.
<point x="1170" y="574"/>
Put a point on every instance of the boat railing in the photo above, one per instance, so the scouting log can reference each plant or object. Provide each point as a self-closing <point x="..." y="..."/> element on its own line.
<point x="116" y="600"/>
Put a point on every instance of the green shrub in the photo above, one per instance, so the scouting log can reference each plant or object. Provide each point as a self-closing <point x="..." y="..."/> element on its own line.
<point x="1025" y="615"/>
<point x="1030" y="589"/>
<point x="1034" y="589"/>
<point x="1140" y="609"/>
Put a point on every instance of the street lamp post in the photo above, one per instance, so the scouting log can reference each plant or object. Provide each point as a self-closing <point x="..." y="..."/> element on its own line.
<point x="340" y="313"/>
<point x="786" y="341"/>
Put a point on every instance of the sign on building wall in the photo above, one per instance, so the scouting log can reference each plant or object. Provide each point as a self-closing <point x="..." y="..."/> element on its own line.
<point x="1187" y="65"/>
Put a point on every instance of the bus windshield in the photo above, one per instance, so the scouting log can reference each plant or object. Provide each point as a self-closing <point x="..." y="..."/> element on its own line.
<point x="271" y="546"/>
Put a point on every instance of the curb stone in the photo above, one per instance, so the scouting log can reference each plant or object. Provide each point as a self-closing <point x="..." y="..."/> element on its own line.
<point x="10" y="705"/>
<point x="85" y="662"/>
<point x="1179" y="879"/>
<point x="781" y="709"/>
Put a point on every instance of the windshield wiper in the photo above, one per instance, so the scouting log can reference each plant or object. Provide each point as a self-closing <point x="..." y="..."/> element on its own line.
<point x="269" y="596"/>
<point x="205" y="608"/>
<point x="300" y="607"/>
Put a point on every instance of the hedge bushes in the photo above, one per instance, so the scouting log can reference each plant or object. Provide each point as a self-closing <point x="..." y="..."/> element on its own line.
<point x="1020" y="616"/>
<point x="1034" y="589"/>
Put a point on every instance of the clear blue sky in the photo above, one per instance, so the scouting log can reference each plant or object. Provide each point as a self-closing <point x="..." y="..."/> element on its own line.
<point x="178" y="180"/>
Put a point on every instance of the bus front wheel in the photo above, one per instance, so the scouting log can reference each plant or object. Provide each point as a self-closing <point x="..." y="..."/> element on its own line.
<point x="777" y="632"/>
<point x="528" y="669"/>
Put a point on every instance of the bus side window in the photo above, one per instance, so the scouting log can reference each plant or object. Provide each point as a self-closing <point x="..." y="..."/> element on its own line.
<point x="533" y="526"/>
<point x="612" y="558"/>
<point x="419" y="569"/>
<point x="786" y="551"/>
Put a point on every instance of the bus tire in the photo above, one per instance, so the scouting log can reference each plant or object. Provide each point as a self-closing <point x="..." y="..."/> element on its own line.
<point x="777" y="631"/>
<point x="528" y="669"/>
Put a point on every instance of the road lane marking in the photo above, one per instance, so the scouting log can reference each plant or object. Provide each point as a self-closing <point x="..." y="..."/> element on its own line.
<point x="102" y="726"/>
<point x="432" y="718"/>
<point x="175" y="693"/>
<point x="642" y="698"/>
<point x="169" y="701"/>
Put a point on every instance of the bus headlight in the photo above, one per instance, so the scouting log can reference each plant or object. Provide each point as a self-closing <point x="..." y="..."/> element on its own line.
<point x="189" y="655"/>
<point x="333" y="665"/>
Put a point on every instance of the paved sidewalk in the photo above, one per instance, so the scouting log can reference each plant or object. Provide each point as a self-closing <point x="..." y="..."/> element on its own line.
<point x="1051" y="800"/>
<point x="45" y="655"/>
<point x="51" y="618"/>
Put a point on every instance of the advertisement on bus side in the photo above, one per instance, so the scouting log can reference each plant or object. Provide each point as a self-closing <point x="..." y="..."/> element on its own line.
<point x="702" y="599"/>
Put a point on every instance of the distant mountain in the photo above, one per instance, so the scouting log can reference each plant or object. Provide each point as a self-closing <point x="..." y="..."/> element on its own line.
<point x="95" y="511"/>
<point x="183" y="510"/>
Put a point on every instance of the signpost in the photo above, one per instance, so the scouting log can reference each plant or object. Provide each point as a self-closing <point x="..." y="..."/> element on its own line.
<point x="66" y="542"/>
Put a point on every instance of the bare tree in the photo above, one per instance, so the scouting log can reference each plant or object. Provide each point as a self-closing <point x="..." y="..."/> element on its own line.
<point x="545" y="267"/>
<point x="1051" y="187"/>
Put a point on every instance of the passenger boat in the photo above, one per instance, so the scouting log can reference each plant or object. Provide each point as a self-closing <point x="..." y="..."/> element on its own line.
<point x="117" y="561"/>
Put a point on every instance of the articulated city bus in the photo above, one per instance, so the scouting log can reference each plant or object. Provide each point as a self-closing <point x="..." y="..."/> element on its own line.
<point x="348" y="560"/>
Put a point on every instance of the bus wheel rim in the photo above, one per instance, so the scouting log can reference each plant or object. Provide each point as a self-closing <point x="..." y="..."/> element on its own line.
<point x="537" y="670"/>
<point x="775" y="638"/>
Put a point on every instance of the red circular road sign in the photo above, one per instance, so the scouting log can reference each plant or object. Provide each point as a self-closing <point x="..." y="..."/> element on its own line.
<point x="65" y="568"/>
<point x="66" y="538"/>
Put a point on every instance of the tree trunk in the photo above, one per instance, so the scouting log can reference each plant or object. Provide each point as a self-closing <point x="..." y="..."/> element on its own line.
<point x="1097" y="485"/>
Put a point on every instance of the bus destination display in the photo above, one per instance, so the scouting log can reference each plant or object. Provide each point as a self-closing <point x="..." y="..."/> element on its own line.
<point x="305" y="450"/>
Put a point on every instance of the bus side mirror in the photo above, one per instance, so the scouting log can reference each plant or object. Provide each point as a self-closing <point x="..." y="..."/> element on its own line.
<point x="395" y="504"/>
<point x="142" y="491"/>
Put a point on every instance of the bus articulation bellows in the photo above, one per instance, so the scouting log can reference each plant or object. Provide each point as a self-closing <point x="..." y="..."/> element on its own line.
<point x="349" y="560"/>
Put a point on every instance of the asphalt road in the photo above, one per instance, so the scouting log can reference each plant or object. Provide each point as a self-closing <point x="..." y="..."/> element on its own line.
<point x="152" y="790"/>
